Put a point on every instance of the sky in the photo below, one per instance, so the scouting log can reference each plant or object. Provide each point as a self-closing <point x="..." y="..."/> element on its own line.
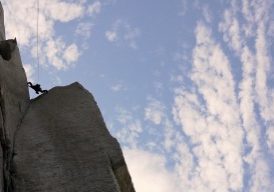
<point x="186" y="86"/>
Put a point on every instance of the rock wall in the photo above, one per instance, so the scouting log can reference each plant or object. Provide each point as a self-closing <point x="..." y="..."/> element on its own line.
<point x="64" y="142"/>
<point x="14" y="100"/>
<point x="57" y="142"/>
<point x="2" y="27"/>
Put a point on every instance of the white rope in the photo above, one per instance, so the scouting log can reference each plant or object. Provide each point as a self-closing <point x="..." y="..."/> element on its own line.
<point x="37" y="41"/>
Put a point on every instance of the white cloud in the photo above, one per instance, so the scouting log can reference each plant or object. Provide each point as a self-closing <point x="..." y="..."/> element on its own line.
<point x="154" y="111"/>
<point x="60" y="55"/>
<point x="54" y="49"/>
<point x="71" y="53"/>
<point x="111" y="36"/>
<point x="149" y="173"/>
<point x="124" y="116"/>
<point x="247" y="106"/>
<point x="130" y="133"/>
<point x="207" y="14"/>
<point x="209" y="116"/>
<point x="231" y="30"/>
<point x="60" y="10"/>
<point x="84" y="29"/>
<point x="270" y="139"/>
<point x="172" y="137"/>
<point x="130" y="128"/>
<point x="130" y="36"/>
<point x="255" y="93"/>
<point x="95" y="8"/>
<point x="263" y="62"/>
<point x="221" y="125"/>
<point x="118" y="87"/>
<point x="121" y="32"/>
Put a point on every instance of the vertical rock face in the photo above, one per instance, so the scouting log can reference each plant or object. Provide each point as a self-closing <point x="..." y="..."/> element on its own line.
<point x="2" y="27"/>
<point x="14" y="99"/>
<point x="57" y="142"/>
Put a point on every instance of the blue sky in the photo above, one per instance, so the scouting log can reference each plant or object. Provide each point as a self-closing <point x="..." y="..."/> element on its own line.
<point x="185" y="86"/>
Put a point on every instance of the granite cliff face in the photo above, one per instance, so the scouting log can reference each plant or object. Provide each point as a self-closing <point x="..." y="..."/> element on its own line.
<point x="56" y="142"/>
<point x="63" y="141"/>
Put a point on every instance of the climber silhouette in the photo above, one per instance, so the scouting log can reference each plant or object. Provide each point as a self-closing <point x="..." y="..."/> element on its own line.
<point x="36" y="88"/>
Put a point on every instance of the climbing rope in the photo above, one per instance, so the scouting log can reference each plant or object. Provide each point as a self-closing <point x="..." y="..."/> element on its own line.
<point x="37" y="41"/>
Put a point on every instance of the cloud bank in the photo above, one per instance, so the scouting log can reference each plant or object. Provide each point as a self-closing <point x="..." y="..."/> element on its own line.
<point x="226" y="123"/>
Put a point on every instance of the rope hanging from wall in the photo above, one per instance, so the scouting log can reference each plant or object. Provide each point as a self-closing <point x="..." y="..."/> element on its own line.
<point x="37" y="41"/>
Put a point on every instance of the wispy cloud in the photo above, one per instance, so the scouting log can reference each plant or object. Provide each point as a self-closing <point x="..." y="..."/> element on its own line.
<point x="154" y="111"/>
<point x="84" y="29"/>
<point x="255" y="93"/>
<point x="111" y="36"/>
<point x="94" y="8"/>
<point x="69" y="11"/>
<point x="130" y="130"/>
<point x="71" y="54"/>
<point x="207" y="14"/>
<point x="121" y="32"/>
<point x="231" y="30"/>
<point x="210" y="117"/>
<point x="228" y="123"/>
<point x="118" y="87"/>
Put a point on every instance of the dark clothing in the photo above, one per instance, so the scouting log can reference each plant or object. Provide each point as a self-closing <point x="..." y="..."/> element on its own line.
<point x="37" y="88"/>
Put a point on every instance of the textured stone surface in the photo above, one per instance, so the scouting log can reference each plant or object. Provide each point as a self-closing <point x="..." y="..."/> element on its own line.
<point x="57" y="142"/>
<point x="63" y="145"/>
<point x="14" y="99"/>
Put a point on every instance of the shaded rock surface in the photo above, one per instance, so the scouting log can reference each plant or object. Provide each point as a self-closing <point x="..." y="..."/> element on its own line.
<point x="57" y="142"/>
<point x="63" y="145"/>
<point x="14" y="100"/>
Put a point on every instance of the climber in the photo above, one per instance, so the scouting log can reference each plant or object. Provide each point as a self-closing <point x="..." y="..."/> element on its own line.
<point x="36" y="88"/>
